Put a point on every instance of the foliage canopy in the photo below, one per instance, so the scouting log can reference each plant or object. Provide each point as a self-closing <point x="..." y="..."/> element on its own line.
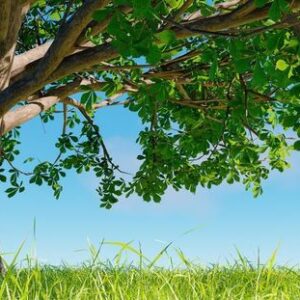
<point x="212" y="83"/>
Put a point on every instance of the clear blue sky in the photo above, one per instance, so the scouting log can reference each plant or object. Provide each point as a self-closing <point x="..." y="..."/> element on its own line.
<point x="225" y="217"/>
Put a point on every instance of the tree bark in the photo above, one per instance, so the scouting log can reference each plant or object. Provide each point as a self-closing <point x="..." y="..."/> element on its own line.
<point x="13" y="15"/>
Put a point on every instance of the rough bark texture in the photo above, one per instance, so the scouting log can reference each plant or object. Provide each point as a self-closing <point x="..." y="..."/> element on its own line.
<point x="11" y="15"/>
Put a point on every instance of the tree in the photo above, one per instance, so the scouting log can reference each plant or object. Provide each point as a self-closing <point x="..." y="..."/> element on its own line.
<point x="213" y="85"/>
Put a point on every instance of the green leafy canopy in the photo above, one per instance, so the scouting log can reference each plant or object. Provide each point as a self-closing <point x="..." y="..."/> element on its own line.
<point x="217" y="104"/>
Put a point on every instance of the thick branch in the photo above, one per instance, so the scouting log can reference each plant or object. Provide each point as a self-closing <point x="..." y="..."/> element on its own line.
<point x="25" y="60"/>
<point x="28" y="60"/>
<point x="25" y="113"/>
<point x="228" y="4"/>
<point x="98" y="27"/>
<point x="75" y="87"/>
<point x="67" y="36"/>
<point x="36" y="78"/>
<point x="4" y="20"/>
<point x="83" y="61"/>
<point x="35" y="54"/>
<point x="22" y="61"/>
<point x="243" y="15"/>
<point x="37" y="105"/>
<point x="7" y="46"/>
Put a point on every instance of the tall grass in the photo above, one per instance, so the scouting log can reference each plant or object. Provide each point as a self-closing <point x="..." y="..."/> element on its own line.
<point x="145" y="280"/>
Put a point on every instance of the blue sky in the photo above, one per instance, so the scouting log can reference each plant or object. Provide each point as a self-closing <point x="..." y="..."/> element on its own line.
<point x="224" y="217"/>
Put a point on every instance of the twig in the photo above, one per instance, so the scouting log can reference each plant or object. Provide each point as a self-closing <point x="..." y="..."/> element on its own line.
<point x="65" y="112"/>
<point x="105" y="151"/>
<point x="215" y="33"/>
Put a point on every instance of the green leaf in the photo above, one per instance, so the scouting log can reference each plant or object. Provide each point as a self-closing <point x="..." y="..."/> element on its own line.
<point x="242" y="65"/>
<point x="142" y="9"/>
<point x="102" y="14"/>
<point x="278" y="7"/>
<point x="261" y="3"/>
<point x="166" y="37"/>
<point x="154" y="55"/>
<point x="274" y="11"/>
<point x="89" y="99"/>
<point x="296" y="145"/>
<point x="281" y="65"/>
<point x="174" y="4"/>
<point x="213" y="69"/>
<point x="259" y="76"/>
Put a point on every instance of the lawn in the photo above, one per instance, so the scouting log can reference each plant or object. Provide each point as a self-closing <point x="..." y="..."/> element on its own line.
<point x="130" y="283"/>
<point x="117" y="280"/>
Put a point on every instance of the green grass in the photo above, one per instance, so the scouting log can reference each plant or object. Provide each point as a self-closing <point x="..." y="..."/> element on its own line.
<point x="145" y="280"/>
<point x="130" y="283"/>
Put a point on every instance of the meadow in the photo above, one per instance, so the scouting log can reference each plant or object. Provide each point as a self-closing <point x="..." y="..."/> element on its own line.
<point x="120" y="279"/>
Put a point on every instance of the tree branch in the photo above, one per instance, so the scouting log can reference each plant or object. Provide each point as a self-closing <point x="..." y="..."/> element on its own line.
<point x="22" y="61"/>
<point x="7" y="46"/>
<point x="242" y="15"/>
<point x="37" y="104"/>
<point x="5" y="6"/>
<point x="67" y="36"/>
<point x="65" y="40"/>
<point x="25" y="113"/>
<point x="207" y="24"/>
